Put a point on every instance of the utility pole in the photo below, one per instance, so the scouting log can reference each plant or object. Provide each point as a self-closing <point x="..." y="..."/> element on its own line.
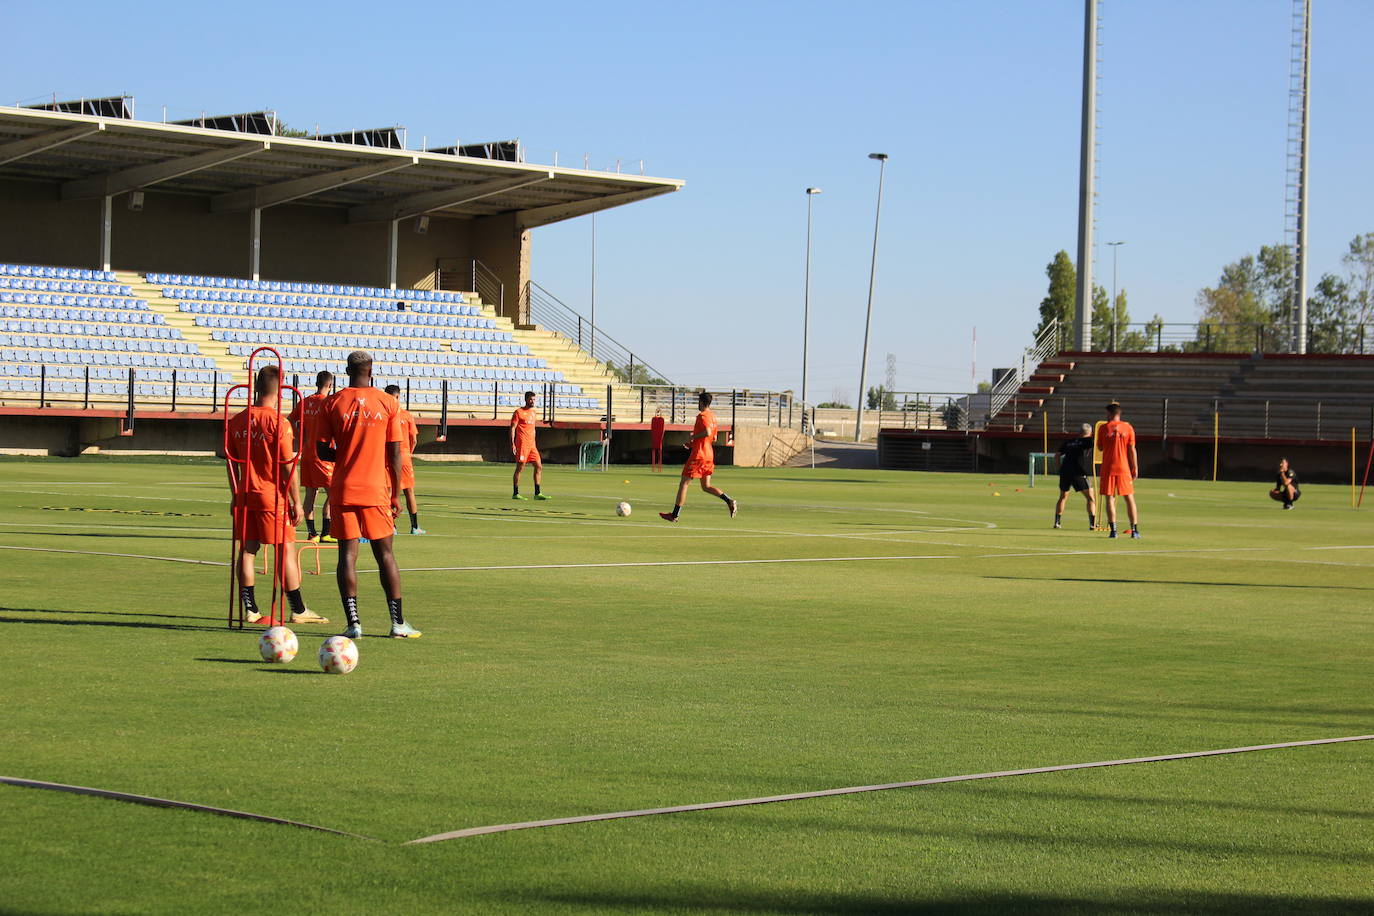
<point x="1083" y="300"/>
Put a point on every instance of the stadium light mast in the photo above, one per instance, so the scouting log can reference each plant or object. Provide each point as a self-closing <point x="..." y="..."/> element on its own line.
<point x="1115" y="246"/>
<point x="872" y="276"/>
<point x="806" y="297"/>
<point x="1083" y="299"/>
<point x="1299" y="83"/>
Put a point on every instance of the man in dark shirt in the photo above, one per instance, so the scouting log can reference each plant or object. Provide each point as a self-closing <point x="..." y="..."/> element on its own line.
<point x="1286" y="485"/>
<point x="1075" y="457"/>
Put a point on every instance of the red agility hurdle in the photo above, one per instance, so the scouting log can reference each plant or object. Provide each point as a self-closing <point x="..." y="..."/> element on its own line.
<point x="244" y="478"/>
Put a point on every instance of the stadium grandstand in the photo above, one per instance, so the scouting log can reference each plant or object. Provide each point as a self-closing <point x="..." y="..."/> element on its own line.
<point x="142" y="263"/>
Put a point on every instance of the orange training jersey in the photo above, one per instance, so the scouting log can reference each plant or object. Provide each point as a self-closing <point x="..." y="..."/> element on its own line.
<point x="1115" y="439"/>
<point x="360" y="421"/>
<point x="523" y="420"/>
<point x="704" y="448"/>
<point x="306" y="417"/>
<point x="267" y="473"/>
<point x="410" y="434"/>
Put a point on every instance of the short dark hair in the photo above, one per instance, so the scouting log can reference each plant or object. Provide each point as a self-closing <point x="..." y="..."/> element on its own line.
<point x="393" y="390"/>
<point x="268" y="376"/>
<point x="704" y="399"/>
<point x="1114" y="407"/>
<point x="323" y="378"/>
<point x="529" y="394"/>
<point x="359" y="360"/>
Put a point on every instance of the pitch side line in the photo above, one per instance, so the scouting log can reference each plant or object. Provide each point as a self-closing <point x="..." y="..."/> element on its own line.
<point x="854" y="790"/>
<point x="122" y="556"/>
<point x="169" y="803"/>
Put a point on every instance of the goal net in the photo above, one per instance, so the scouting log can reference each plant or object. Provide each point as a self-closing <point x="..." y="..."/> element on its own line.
<point x="1041" y="464"/>
<point x="591" y="456"/>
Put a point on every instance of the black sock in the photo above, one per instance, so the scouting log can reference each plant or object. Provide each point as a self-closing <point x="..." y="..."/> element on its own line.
<point x="324" y="529"/>
<point x="1058" y="517"/>
<point x="350" y="606"/>
<point x="725" y="497"/>
<point x="250" y="602"/>
<point x="415" y="520"/>
<point x="676" y="510"/>
<point x="515" y="490"/>
<point x="393" y="607"/>
<point x="536" y="489"/>
<point x="310" y="527"/>
<point x="297" y="602"/>
<point x="1135" y="526"/>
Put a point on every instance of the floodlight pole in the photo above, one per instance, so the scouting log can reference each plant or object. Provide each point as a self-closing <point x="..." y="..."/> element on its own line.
<point x="1083" y="300"/>
<point x="872" y="277"/>
<point x="1115" y="246"/>
<point x="806" y="296"/>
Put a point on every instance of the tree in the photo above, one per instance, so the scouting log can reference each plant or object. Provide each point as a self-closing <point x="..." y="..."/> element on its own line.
<point x="1359" y="265"/>
<point x="285" y="130"/>
<point x="880" y="398"/>
<point x="634" y="374"/>
<point x="1059" y="299"/>
<point x="834" y="405"/>
<point x="1251" y="303"/>
<point x="1331" y="316"/>
<point x="984" y="387"/>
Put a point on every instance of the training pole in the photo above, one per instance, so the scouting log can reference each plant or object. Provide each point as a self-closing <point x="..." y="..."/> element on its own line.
<point x="1216" y="438"/>
<point x="237" y="513"/>
<point x="1045" y="431"/>
<point x="1352" y="467"/>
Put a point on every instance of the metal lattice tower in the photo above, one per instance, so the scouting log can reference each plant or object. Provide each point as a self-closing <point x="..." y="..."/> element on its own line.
<point x="1295" y="196"/>
<point x="890" y="379"/>
<point x="1087" y="182"/>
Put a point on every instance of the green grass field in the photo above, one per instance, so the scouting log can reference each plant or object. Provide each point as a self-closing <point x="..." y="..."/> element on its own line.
<point x="611" y="683"/>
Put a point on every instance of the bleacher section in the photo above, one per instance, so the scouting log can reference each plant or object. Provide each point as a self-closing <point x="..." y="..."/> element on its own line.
<point x="69" y="332"/>
<point x="1275" y="396"/>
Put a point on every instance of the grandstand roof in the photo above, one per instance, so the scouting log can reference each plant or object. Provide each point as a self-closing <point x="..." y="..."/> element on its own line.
<point x="96" y="157"/>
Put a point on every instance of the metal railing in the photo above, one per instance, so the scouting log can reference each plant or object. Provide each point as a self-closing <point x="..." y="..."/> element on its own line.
<point x="678" y="404"/>
<point x="545" y="309"/>
<point x="1047" y="343"/>
<point x="1224" y="337"/>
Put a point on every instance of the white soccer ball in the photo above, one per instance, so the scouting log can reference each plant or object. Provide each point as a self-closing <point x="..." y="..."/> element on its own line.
<point x="622" y="509"/>
<point x="338" y="655"/>
<point x="278" y="645"/>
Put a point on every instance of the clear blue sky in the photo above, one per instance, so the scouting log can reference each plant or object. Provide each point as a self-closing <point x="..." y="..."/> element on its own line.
<point x="977" y="104"/>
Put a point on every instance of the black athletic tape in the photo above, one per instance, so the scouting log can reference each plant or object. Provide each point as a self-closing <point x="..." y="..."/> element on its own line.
<point x="854" y="790"/>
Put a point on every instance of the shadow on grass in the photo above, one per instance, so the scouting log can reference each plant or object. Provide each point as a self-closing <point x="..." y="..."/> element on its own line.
<point x="127" y="624"/>
<point x="756" y="900"/>
<point x="275" y="670"/>
<point x="234" y="661"/>
<point x="1115" y="581"/>
<point x="110" y="534"/>
<point x="50" y="610"/>
<point x="1163" y="803"/>
<point x="1165" y="711"/>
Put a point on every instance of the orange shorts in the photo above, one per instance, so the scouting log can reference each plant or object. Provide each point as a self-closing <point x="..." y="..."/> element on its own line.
<point x="264" y="526"/>
<point x="698" y="467"/>
<point x="407" y="476"/>
<point x="527" y="455"/>
<point x="316" y="474"/>
<point x="352" y="522"/>
<point x="1118" y="485"/>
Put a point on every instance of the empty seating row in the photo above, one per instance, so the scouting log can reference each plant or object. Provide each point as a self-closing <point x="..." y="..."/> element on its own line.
<point x="326" y="340"/>
<point x="310" y="367"/>
<point x="328" y="289"/>
<point x="371" y="316"/>
<point x="445" y="358"/>
<point x="433" y="398"/>
<point x="99" y="358"/>
<point x="55" y="273"/>
<point x="28" y="284"/>
<point x="48" y="313"/>
<point x="98" y="329"/>
<point x="307" y="323"/>
<point x="55" y="299"/>
<point x="467" y="384"/>
<point x="117" y="389"/>
<point x="23" y="370"/>
<point x="83" y="344"/>
<point x="319" y="302"/>
<point x="457" y="346"/>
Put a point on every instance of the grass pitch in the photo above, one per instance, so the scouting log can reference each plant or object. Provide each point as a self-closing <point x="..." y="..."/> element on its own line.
<point x="603" y="682"/>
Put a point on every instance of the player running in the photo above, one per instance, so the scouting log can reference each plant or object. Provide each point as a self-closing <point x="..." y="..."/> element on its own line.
<point x="315" y="474"/>
<point x="1120" y="467"/>
<point x="522" y="425"/>
<point x="1073" y="475"/>
<point x="410" y="434"/>
<point x="268" y="512"/>
<point x="365" y="426"/>
<point x="701" y="460"/>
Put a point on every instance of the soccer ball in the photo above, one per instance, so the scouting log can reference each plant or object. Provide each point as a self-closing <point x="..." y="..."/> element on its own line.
<point x="278" y="644"/>
<point x="338" y="655"/>
<point x="622" y="509"/>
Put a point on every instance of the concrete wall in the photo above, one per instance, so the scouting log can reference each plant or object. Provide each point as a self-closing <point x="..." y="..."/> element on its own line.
<point x="178" y="234"/>
<point x="499" y="243"/>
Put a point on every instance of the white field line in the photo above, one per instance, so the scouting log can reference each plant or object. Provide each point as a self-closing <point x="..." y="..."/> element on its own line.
<point x="170" y="528"/>
<point x="122" y="556"/>
<point x="854" y="790"/>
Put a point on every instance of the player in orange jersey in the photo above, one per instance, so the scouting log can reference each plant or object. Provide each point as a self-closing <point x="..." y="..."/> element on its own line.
<point x="701" y="460"/>
<point x="1120" y="467"/>
<point x="266" y="503"/>
<point x="522" y="425"/>
<point x="364" y="500"/>
<point x="410" y="435"/>
<point x="315" y="474"/>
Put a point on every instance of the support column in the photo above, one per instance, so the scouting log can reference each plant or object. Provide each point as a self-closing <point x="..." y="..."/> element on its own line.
<point x="392" y="239"/>
<point x="106" y="229"/>
<point x="1083" y="300"/>
<point x="255" y="244"/>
